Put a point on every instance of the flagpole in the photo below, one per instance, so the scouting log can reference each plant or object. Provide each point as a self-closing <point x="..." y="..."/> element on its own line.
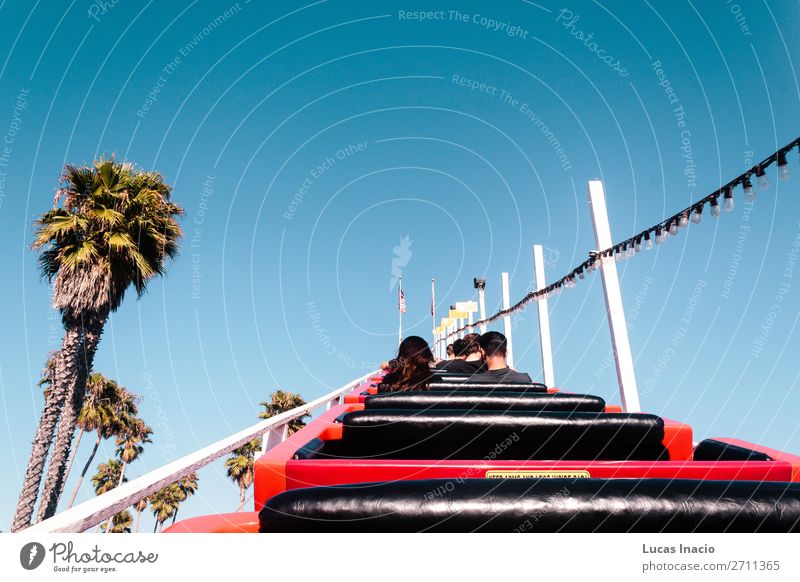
<point x="433" y="309"/>
<point x="400" y="311"/>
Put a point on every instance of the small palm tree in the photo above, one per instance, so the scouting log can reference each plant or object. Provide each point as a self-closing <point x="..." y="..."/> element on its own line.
<point x="120" y="523"/>
<point x="109" y="475"/>
<point x="240" y="466"/>
<point x="107" y="403"/>
<point x="129" y="444"/>
<point x="139" y="506"/>
<point x="165" y="502"/>
<point x="281" y="402"/>
<point x="116" y="227"/>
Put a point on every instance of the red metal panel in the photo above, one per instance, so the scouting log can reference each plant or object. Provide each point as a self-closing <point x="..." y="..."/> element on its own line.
<point x="793" y="460"/>
<point x="309" y="473"/>
<point x="244" y="522"/>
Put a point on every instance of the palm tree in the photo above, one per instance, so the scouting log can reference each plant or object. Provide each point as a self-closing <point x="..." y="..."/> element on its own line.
<point x="281" y="402"/>
<point x="109" y="475"/>
<point x="106" y="404"/>
<point x="186" y="488"/>
<point x="129" y="444"/>
<point x="120" y="523"/>
<point x="164" y="503"/>
<point x="139" y="506"/>
<point x="115" y="228"/>
<point x="240" y="468"/>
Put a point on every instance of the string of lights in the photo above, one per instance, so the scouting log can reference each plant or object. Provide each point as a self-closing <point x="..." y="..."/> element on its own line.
<point x="660" y="232"/>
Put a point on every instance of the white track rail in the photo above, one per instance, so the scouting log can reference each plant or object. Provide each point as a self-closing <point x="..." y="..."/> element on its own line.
<point x="97" y="510"/>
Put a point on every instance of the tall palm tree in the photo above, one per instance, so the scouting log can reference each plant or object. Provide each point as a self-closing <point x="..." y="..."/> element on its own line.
<point x="240" y="468"/>
<point x="116" y="227"/>
<point x="120" y="523"/>
<point x="281" y="402"/>
<point x="106" y="404"/>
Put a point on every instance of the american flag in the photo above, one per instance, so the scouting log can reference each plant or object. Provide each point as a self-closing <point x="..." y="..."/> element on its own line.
<point x="401" y="301"/>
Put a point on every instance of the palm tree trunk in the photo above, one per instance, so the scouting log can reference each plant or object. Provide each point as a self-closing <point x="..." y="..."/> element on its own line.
<point x="76" y="365"/>
<point x="175" y="515"/>
<point x="83" y="473"/>
<point x="155" y="526"/>
<point x="72" y="454"/>
<point x="138" y="517"/>
<point x="53" y="407"/>
<point x="121" y="479"/>
<point x="242" y="498"/>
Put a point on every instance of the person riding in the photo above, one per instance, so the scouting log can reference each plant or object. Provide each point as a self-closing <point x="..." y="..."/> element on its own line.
<point x="411" y="370"/>
<point x="468" y="358"/>
<point x="494" y="348"/>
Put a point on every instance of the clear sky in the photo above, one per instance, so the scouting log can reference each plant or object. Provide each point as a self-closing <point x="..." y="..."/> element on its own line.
<point x="307" y="140"/>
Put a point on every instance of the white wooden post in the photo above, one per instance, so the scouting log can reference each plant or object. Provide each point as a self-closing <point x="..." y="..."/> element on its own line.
<point x="507" y="318"/>
<point x="460" y="325"/>
<point x="470" y="322"/>
<point x="620" y="344"/>
<point x="544" y="318"/>
<point x="482" y="305"/>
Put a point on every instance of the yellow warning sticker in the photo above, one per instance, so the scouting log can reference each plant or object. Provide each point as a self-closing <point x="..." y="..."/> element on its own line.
<point x="537" y="475"/>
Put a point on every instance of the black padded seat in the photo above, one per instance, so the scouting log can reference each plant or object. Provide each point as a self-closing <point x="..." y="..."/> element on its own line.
<point x="479" y="434"/>
<point x="494" y="400"/>
<point x="485" y="386"/>
<point x="713" y="450"/>
<point x="538" y="505"/>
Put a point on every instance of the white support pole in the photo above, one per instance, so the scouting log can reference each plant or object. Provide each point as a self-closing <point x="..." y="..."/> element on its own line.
<point x="507" y="319"/>
<point x="482" y="305"/>
<point x="620" y="344"/>
<point x="544" y="318"/>
<point x="460" y="325"/>
<point x="470" y="322"/>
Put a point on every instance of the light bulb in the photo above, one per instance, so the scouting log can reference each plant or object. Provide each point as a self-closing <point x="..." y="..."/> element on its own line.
<point x="581" y="274"/>
<point x="714" y="208"/>
<point x="673" y="228"/>
<point x="638" y="246"/>
<point x="697" y="215"/>
<point x="728" y="204"/>
<point x="763" y="181"/>
<point x="684" y="221"/>
<point x="648" y="244"/>
<point x="659" y="238"/>
<point x="749" y="193"/>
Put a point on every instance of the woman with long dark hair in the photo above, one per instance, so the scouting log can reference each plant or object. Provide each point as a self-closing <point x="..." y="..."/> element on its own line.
<point x="411" y="370"/>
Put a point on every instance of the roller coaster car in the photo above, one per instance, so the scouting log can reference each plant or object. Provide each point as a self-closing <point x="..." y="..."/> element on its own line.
<point x="498" y="457"/>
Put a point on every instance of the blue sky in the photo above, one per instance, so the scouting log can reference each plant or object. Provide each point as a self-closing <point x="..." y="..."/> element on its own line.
<point x="306" y="140"/>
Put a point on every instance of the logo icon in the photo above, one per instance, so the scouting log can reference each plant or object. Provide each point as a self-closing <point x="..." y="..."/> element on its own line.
<point x="31" y="555"/>
<point x="402" y="255"/>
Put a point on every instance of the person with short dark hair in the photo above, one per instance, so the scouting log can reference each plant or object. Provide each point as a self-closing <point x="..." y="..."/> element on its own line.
<point x="494" y="348"/>
<point x="468" y="357"/>
<point x="451" y="351"/>
<point x="411" y="370"/>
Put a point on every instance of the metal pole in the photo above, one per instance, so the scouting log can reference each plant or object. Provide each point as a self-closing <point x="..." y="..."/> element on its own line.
<point x="620" y="344"/>
<point x="544" y="318"/>
<point x="433" y="307"/>
<point x="482" y="305"/>
<point x="507" y="318"/>
<point x="460" y="325"/>
<point x="470" y="322"/>
<point x="400" y="311"/>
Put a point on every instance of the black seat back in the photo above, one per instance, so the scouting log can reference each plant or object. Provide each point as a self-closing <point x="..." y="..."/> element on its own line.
<point x="485" y="400"/>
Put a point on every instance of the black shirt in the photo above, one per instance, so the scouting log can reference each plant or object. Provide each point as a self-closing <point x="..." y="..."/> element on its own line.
<point x="502" y="376"/>
<point x="460" y="366"/>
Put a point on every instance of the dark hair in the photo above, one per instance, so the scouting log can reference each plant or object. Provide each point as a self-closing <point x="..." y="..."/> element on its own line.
<point x="493" y="343"/>
<point x="458" y="347"/>
<point x="451" y="349"/>
<point x="471" y="343"/>
<point x="413" y="370"/>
